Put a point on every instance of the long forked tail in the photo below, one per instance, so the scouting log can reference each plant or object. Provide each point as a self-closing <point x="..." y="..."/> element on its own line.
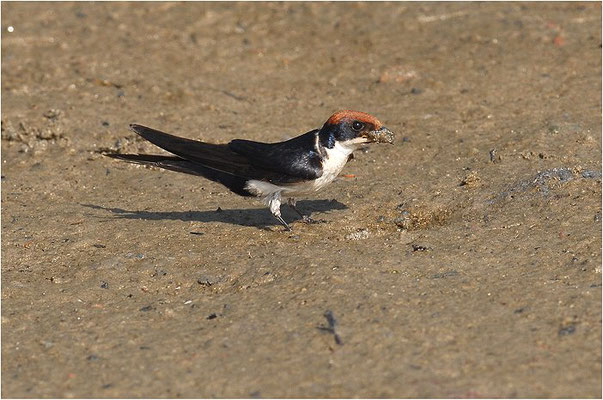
<point x="233" y="182"/>
<point x="192" y="150"/>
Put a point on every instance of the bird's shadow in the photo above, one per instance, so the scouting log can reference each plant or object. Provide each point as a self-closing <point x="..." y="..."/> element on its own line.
<point x="258" y="217"/>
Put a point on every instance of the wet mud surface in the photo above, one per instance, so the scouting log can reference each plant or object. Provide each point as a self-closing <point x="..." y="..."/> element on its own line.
<point x="463" y="261"/>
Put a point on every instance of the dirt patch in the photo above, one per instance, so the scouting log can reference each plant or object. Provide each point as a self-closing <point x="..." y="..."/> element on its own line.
<point x="464" y="261"/>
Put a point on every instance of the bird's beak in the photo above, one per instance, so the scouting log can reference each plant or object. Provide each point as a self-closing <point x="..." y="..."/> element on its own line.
<point x="382" y="135"/>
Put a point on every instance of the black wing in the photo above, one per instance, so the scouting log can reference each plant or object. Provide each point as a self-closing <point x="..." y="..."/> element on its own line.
<point x="285" y="162"/>
<point x="212" y="155"/>
<point x="219" y="162"/>
<point x="296" y="157"/>
<point x="234" y="182"/>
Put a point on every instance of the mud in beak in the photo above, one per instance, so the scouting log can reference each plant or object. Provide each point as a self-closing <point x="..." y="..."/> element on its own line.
<point x="382" y="135"/>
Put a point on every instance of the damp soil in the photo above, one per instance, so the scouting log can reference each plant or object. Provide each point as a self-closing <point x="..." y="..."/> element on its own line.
<point x="463" y="261"/>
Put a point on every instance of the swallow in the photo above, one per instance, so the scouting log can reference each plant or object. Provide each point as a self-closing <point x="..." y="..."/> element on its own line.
<point x="270" y="171"/>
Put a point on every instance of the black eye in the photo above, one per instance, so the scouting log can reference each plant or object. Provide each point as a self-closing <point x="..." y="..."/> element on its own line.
<point x="357" y="125"/>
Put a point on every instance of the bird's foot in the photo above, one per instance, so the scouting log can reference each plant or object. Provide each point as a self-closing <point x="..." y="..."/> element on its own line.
<point x="282" y="221"/>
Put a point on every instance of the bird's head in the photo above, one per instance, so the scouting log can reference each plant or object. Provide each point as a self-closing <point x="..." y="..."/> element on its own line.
<point x="354" y="128"/>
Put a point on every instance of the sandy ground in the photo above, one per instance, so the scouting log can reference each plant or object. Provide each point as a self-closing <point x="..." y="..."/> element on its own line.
<point x="464" y="261"/>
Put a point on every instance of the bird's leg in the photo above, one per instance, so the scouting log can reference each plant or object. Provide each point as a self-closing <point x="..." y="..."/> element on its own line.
<point x="275" y="209"/>
<point x="292" y="203"/>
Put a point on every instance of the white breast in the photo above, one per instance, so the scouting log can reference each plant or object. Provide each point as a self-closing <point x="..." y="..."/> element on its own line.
<point x="332" y="165"/>
<point x="334" y="162"/>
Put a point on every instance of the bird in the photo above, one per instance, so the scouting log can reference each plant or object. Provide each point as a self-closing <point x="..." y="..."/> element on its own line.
<point x="269" y="171"/>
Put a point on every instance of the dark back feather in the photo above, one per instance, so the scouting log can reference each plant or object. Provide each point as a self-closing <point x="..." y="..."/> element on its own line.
<point x="295" y="157"/>
<point x="279" y="163"/>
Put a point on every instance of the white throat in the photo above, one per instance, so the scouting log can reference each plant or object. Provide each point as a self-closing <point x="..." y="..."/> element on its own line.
<point x="335" y="160"/>
<point x="337" y="157"/>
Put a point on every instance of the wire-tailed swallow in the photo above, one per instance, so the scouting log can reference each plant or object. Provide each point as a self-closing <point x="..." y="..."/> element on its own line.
<point x="270" y="171"/>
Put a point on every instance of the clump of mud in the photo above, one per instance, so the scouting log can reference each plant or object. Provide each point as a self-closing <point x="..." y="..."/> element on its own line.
<point x="49" y="130"/>
<point x="545" y="180"/>
<point x="421" y="217"/>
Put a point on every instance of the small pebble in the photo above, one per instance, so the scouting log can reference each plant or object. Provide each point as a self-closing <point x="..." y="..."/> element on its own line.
<point x="568" y="330"/>
<point x="493" y="156"/>
<point x="359" y="235"/>
<point x="446" y="274"/>
<point x="139" y="256"/>
<point x="419" y="247"/>
<point x="471" y="180"/>
<point x="207" y="280"/>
